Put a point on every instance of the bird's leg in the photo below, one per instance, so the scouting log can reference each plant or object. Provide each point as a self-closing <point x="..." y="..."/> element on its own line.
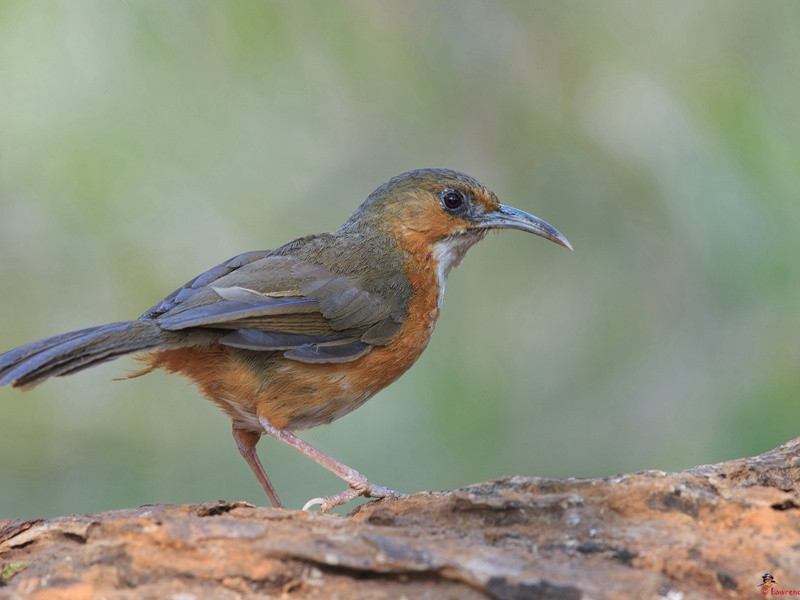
<point x="246" y="443"/>
<point x="359" y="485"/>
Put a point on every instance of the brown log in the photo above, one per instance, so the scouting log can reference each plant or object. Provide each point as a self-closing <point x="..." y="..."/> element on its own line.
<point x="709" y="532"/>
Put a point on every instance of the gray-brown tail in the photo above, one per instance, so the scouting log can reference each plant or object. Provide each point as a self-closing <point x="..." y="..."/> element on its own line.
<point x="68" y="353"/>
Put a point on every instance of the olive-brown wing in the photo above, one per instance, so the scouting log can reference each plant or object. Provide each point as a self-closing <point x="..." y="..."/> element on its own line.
<point x="282" y="303"/>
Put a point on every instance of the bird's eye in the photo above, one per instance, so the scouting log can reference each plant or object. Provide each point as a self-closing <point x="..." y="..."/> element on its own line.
<point x="452" y="199"/>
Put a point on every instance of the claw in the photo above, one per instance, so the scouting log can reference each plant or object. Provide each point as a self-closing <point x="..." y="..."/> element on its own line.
<point x="313" y="502"/>
<point x="368" y="491"/>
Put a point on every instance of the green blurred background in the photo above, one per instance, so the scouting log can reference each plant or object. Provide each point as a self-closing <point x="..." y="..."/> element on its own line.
<point x="141" y="143"/>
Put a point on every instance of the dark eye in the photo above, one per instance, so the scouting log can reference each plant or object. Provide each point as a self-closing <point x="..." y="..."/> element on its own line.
<point x="452" y="200"/>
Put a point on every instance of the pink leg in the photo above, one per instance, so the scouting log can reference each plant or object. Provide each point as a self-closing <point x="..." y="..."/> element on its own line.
<point x="246" y="443"/>
<point x="359" y="485"/>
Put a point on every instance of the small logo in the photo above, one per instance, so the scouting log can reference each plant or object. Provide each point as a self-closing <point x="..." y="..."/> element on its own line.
<point x="767" y="581"/>
<point x="769" y="587"/>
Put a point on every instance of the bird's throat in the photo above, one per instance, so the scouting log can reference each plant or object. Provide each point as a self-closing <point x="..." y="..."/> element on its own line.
<point x="448" y="253"/>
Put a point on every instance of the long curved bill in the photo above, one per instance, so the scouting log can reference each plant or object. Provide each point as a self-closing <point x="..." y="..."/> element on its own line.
<point x="508" y="217"/>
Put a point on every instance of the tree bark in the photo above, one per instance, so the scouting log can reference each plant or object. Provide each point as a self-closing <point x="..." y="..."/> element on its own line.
<point x="709" y="532"/>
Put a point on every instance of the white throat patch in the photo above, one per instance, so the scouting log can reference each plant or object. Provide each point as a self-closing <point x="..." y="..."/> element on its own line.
<point x="449" y="252"/>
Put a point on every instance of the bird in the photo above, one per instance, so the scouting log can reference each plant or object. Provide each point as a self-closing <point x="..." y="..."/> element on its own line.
<point x="288" y="339"/>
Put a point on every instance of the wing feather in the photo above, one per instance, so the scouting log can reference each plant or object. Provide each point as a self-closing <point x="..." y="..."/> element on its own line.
<point x="265" y="302"/>
<point x="313" y="353"/>
<point x="225" y="313"/>
<point x="252" y="339"/>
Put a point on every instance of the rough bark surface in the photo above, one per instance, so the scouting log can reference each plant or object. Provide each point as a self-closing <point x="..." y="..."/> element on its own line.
<point x="709" y="532"/>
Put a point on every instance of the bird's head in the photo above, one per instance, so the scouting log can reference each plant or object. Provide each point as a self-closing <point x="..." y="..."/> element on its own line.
<point x="441" y="213"/>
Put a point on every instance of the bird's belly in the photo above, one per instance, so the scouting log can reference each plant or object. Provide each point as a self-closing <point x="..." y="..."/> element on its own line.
<point x="318" y="409"/>
<point x="314" y="407"/>
<point x="301" y="396"/>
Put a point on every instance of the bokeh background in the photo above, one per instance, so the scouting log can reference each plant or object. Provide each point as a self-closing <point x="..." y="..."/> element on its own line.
<point x="141" y="143"/>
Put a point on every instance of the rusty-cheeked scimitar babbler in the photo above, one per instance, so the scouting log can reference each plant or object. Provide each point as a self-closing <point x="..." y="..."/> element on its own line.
<point x="296" y="337"/>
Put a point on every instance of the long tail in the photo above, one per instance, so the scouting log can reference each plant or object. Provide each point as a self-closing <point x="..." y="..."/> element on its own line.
<point x="67" y="353"/>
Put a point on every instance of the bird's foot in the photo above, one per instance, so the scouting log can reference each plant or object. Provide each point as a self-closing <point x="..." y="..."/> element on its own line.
<point x="362" y="488"/>
<point x="359" y="485"/>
